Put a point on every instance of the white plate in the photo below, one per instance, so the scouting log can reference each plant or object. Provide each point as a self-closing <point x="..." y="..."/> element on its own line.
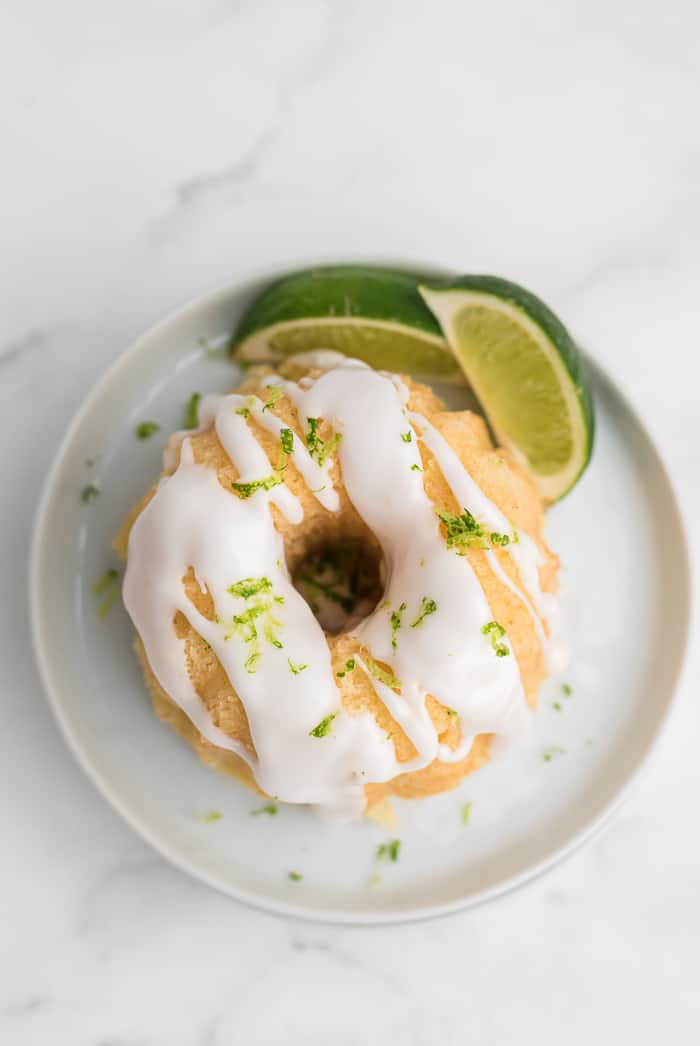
<point x="626" y="592"/>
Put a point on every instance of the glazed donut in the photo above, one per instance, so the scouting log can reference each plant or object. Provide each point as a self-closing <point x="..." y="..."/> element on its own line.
<point x="340" y="588"/>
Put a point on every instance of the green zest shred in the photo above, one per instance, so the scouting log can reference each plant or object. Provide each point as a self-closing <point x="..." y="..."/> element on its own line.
<point x="396" y="624"/>
<point x="250" y="586"/>
<point x="246" y="490"/>
<point x="330" y="447"/>
<point x="416" y="468"/>
<point x="462" y="531"/>
<point x="427" y="606"/>
<point x="552" y="752"/>
<point x="296" y="877"/>
<point x="382" y="674"/>
<point x="389" y="851"/>
<point x="89" y="493"/>
<point x="107" y="586"/>
<point x="566" y="690"/>
<point x="257" y="591"/>
<point x="313" y="440"/>
<point x="245" y="410"/>
<point x="496" y="632"/>
<point x="287" y="445"/>
<point x="349" y="665"/>
<point x="276" y="392"/>
<point x="295" y="669"/>
<point x="107" y="579"/>
<point x="251" y="662"/>
<point x="269" y="626"/>
<point x="244" y="624"/>
<point x="324" y="727"/>
<point x="287" y="440"/>
<point x="320" y="449"/>
<point x="107" y="603"/>
<point x="192" y="411"/>
<point x="406" y="436"/>
<point x="270" y="809"/>
<point x="466" y="812"/>
<point x="146" y="429"/>
<point x="211" y="816"/>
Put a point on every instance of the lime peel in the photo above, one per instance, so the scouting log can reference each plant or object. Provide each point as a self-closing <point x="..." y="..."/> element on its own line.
<point x="525" y="369"/>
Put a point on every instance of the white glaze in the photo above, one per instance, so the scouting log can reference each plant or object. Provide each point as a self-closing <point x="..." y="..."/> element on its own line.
<point x="524" y="553"/>
<point x="193" y="521"/>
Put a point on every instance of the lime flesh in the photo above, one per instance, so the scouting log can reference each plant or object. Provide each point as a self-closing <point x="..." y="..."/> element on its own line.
<point x="384" y="346"/>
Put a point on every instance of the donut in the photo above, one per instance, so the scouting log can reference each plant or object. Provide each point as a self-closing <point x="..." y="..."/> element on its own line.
<point x="340" y="588"/>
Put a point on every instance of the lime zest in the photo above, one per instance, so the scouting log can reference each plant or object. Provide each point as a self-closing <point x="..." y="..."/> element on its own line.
<point x="192" y="411"/>
<point x="146" y="429"/>
<point x="287" y="441"/>
<point x="211" y="816"/>
<point x="388" y="851"/>
<point x="496" y="632"/>
<point x="320" y="449"/>
<point x="427" y="607"/>
<point x="349" y="665"/>
<point x="246" y="490"/>
<point x="248" y="406"/>
<point x="324" y="727"/>
<point x="89" y="493"/>
<point x="251" y="662"/>
<point x="396" y="624"/>
<point x="275" y="395"/>
<point x="270" y="809"/>
<point x="250" y="586"/>
<point x="382" y="674"/>
<point x="108" y="587"/>
<point x="108" y="578"/>
<point x="462" y="531"/>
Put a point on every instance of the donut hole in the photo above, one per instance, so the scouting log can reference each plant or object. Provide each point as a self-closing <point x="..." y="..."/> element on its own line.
<point x="341" y="581"/>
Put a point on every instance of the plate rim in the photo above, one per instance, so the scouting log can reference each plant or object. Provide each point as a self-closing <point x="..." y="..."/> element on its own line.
<point x="159" y="843"/>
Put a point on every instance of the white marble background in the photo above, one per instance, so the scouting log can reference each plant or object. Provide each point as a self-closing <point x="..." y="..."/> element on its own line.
<point x="146" y="146"/>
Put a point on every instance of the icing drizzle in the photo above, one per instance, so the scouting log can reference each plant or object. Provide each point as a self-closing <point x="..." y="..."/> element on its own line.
<point x="307" y="749"/>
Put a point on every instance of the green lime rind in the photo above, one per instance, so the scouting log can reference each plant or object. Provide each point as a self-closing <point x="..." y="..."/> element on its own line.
<point x="372" y="313"/>
<point x="509" y="396"/>
<point x="363" y="291"/>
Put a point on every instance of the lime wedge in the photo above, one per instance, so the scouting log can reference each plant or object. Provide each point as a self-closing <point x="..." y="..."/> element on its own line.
<point x="373" y="314"/>
<point x="526" y="372"/>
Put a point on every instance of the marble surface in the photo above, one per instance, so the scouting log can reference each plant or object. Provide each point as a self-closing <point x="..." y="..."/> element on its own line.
<point x="151" y="148"/>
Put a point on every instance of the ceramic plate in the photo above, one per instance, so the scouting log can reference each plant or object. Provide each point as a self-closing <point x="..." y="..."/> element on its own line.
<point x="625" y="592"/>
